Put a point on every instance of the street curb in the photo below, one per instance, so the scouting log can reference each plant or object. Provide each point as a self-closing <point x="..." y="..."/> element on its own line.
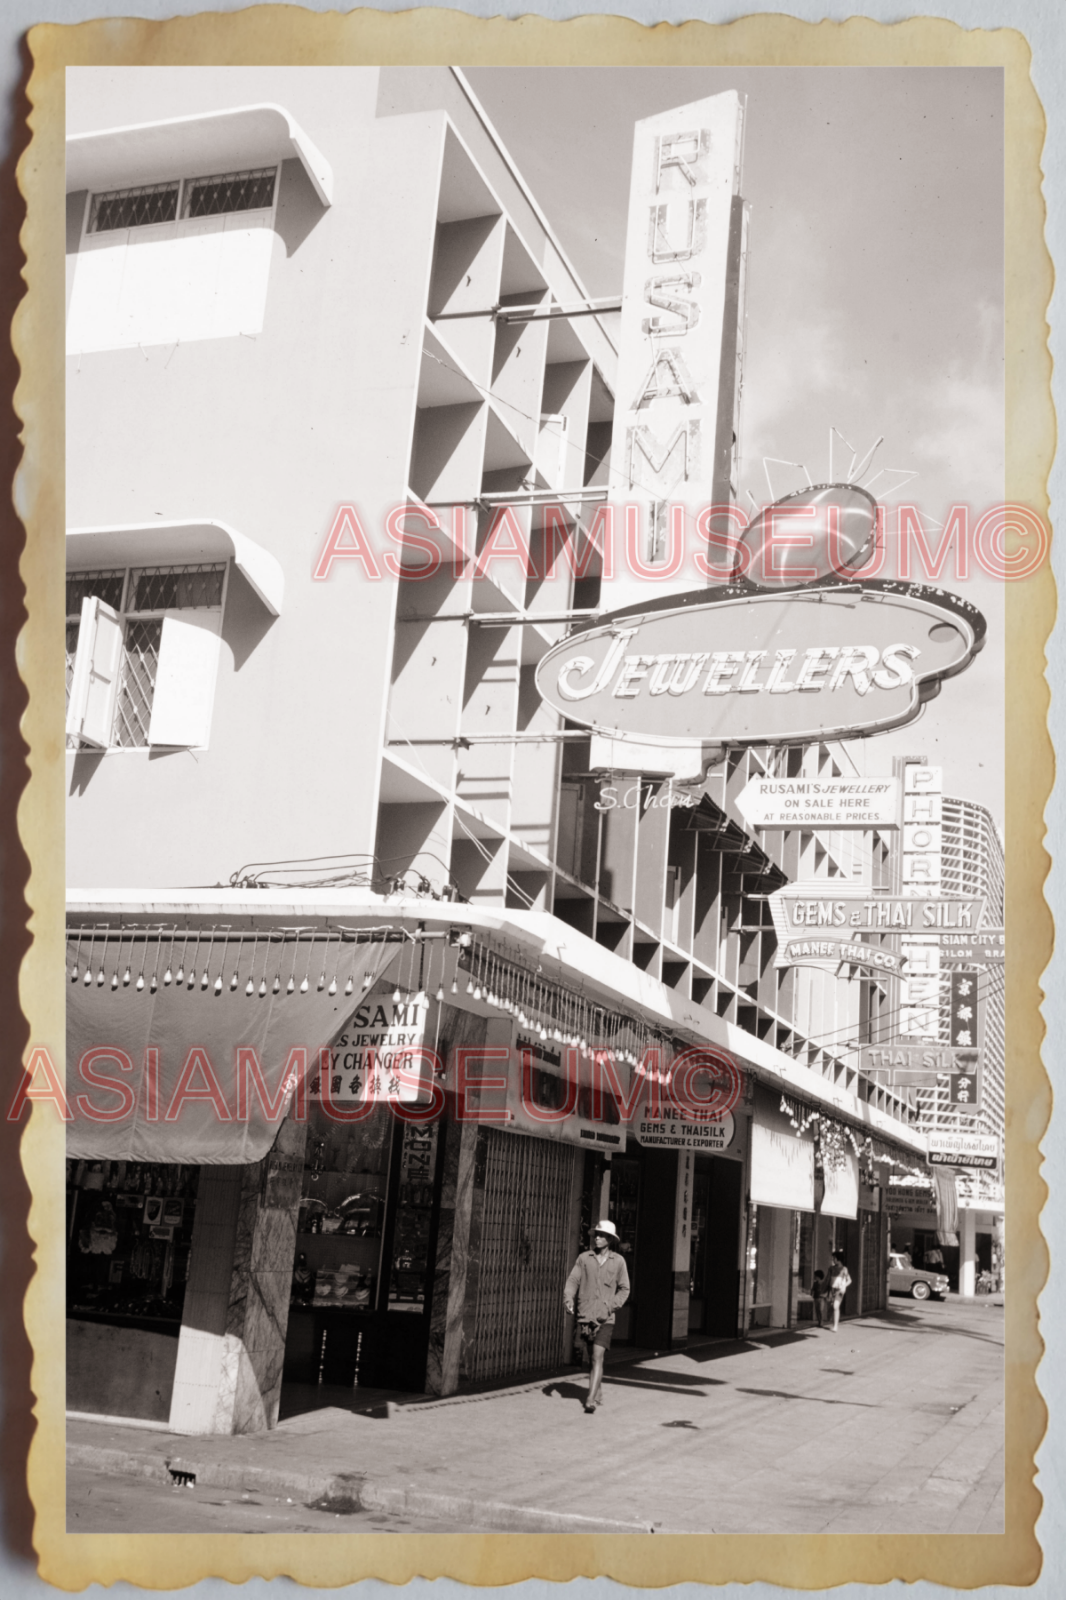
<point x="343" y="1492"/>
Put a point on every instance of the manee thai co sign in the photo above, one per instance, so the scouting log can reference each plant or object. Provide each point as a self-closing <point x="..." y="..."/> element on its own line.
<point x="829" y="660"/>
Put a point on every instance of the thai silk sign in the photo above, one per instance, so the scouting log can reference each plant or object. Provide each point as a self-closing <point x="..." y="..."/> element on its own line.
<point x="807" y="910"/>
<point x="740" y="666"/>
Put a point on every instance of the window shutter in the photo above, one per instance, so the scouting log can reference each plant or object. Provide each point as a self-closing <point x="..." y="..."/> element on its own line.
<point x="96" y="667"/>
<point x="185" y="679"/>
<point x="93" y="322"/>
<point x="243" y="274"/>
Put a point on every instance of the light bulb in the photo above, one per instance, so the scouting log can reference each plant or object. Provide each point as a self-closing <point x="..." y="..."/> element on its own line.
<point x="140" y="981"/>
<point x="126" y="979"/>
<point x="440" y="992"/>
<point x="263" y="986"/>
<point x="205" y="980"/>
<point x="249" y="987"/>
<point x="181" y="975"/>
<point x="290" y="986"/>
<point x="349" y="986"/>
<point x="114" y="981"/>
<point x="333" y="987"/>
<point x="218" y="984"/>
<point x="166" y="977"/>
<point x="276" y="985"/>
<point x="153" y="986"/>
<point x="234" y="981"/>
<point x="303" y="987"/>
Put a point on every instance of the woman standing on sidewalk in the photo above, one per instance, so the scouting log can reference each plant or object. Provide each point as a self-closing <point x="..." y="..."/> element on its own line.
<point x="839" y="1279"/>
<point x="598" y="1284"/>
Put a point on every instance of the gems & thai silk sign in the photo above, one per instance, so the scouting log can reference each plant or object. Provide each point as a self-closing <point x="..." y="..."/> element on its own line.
<point x="742" y="666"/>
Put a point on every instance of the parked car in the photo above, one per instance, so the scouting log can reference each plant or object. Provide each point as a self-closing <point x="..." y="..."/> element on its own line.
<point x="918" y="1282"/>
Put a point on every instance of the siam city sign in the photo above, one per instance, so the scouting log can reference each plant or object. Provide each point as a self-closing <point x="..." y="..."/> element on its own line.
<point x="738" y="665"/>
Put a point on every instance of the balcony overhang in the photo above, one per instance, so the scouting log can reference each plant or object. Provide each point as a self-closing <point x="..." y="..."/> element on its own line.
<point x="179" y="544"/>
<point x="194" y="147"/>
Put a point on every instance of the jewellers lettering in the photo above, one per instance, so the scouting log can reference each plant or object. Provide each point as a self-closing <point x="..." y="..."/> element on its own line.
<point x="813" y="663"/>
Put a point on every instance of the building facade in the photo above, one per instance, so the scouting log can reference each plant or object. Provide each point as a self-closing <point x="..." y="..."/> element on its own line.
<point x="382" y="976"/>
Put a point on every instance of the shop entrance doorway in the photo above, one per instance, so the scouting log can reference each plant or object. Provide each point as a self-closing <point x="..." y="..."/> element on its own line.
<point x="715" y="1264"/>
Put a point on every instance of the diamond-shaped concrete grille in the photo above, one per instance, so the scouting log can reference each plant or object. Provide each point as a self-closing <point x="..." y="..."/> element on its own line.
<point x="175" y="588"/>
<point x="105" y="586"/>
<point x="134" y="208"/>
<point x="140" y="662"/>
<point x="229" y="191"/>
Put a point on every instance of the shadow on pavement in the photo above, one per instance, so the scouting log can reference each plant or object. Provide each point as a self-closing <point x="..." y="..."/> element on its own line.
<point x="897" y="1320"/>
<point x="735" y="1347"/>
<point x="815" y="1399"/>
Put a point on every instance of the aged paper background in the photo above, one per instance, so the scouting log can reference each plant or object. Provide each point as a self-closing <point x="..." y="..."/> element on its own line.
<point x="278" y="35"/>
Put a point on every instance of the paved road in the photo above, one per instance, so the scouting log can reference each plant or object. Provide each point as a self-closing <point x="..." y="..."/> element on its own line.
<point x="99" y="1504"/>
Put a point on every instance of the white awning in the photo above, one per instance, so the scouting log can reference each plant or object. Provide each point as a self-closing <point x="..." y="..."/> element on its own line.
<point x="141" y="544"/>
<point x="166" y="1016"/>
<point x="194" y="147"/>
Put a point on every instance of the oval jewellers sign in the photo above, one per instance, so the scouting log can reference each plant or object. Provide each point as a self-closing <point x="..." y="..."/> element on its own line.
<point x="828" y="660"/>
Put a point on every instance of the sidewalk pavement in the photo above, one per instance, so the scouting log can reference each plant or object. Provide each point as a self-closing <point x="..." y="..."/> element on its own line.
<point x="893" y="1425"/>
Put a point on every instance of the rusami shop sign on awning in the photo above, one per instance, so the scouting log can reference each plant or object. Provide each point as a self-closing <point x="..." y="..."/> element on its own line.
<point x="806" y="911"/>
<point x="829" y="660"/>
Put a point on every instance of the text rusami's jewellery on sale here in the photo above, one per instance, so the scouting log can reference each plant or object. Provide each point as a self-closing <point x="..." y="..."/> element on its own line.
<point x="552" y="735"/>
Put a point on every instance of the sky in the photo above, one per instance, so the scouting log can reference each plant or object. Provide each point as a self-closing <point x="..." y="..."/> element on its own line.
<point x="874" y="295"/>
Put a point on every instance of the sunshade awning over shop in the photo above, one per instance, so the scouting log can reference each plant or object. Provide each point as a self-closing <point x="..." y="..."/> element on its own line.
<point x="178" y="1017"/>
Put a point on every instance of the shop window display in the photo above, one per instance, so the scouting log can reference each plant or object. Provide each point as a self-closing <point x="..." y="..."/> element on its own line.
<point x="342" y="1211"/>
<point x="129" y="1235"/>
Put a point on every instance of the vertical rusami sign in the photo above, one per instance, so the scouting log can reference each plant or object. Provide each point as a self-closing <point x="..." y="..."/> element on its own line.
<point x="678" y="350"/>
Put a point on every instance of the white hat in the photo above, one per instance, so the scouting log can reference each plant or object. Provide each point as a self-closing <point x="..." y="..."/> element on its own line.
<point x="607" y="1228"/>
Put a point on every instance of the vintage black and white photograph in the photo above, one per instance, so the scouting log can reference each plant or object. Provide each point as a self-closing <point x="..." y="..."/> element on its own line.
<point x="499" y="1103"/>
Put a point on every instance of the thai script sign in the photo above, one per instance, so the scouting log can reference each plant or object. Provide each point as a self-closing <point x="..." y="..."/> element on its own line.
<point x="826" y="661"/>
<point x="964" y="1150"/>
<point x="820" y="803"/>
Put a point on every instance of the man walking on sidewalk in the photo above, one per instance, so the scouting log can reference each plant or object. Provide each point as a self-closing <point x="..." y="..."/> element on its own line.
<point x="599" y="1284"/>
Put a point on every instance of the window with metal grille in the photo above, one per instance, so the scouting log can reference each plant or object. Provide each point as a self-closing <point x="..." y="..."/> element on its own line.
<point x="134" y="208"/>
<point x="228" y="192"/>
<point x="150" y="595"/>
<point x="201" y="272"/>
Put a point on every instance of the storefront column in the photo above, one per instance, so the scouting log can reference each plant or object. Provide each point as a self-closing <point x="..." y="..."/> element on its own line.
<point x="453" y="1256"/>
<point x="231" y="1348"/>
<point x="967" y="1250"/>
<point x="682" y="1247"/>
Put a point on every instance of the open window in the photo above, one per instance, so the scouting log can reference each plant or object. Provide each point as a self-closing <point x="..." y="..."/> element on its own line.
<point x="143" y="648"/>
